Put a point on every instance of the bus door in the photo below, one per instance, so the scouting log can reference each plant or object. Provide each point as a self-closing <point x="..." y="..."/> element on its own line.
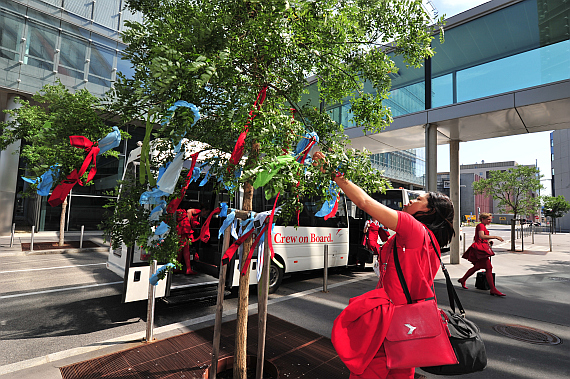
<point x="132" y="263"/>
<point x="394" y="198"/>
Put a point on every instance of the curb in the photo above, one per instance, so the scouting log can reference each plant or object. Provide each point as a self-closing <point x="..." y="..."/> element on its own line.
<point x="67" y="251"/>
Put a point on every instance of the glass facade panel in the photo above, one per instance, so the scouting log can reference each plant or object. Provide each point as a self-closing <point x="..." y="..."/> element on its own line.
<point x="125" y="67"/>
<point x="81" y="8"/>
<point x="346" y="116"/>
<point x="497" y="35"/>
<point x="10" y="4"/>
<point x="407" y="166"/>
<point x="44" y="18"/>
<point x="10" y="35"/>
<point x="75" y="30"/>
<point x="56" y="3"/>
<point x="106" y="13"/>
<point x="544" y="65"/>
<point x="101" y="65"/>
<point x="128" y="15"/>
<point x="405" y="76"/>
<point x="335" y="114"/>
<point x="406" y="99"/>
<point x="72" y="56"/>
<point x="442" y="91"/>
<point x="40" y="46"/>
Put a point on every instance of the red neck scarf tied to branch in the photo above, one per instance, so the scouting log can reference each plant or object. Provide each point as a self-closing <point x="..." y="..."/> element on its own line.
<point x="229" y="254"/>
<point x="240" y="144"/>
<point x="62" y="190"/>
<point x="205" y="231"/>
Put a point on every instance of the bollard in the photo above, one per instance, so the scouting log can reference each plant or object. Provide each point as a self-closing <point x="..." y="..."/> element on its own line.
<point x="150" y="308"/>
<point x="32" y="241"/>
<point x="81" y="237"/>
<point x="550" y="241"/>
<point x="12" y="235"/>
<point x="463" y="243"/>
<point x="325" y="276"/>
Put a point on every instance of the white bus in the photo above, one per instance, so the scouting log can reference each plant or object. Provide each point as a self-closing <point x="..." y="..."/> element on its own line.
<point x="296" y="248"/>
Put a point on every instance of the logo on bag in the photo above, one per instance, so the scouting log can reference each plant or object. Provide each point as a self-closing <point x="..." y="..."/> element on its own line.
<point x="411" y="328"/>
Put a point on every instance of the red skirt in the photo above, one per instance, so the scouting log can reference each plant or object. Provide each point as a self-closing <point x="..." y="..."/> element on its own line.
<point x="478" y="251"/>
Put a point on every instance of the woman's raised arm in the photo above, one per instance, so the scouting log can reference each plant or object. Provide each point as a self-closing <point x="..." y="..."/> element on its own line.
<point x="385" y="215"/>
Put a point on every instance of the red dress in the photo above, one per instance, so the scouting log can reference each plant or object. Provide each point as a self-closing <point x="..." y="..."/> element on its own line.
<point x="480" y="250"/>
<point x="371" y="236"/>
<point x="366" y="359"/>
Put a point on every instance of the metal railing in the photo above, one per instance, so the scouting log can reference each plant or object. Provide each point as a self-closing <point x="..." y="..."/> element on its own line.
<point x="529" y="230"/>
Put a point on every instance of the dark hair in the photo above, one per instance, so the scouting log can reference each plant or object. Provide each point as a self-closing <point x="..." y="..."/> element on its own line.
<point x="439" y="217"/>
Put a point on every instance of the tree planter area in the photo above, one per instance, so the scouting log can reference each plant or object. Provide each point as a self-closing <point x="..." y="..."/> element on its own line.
<point x="294" y="351"/>
<point x="225" y="369"/>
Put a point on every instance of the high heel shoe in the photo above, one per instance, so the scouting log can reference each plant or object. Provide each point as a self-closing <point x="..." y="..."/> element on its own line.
<point x="497" y="293"/>
<point x="462" y="282"/>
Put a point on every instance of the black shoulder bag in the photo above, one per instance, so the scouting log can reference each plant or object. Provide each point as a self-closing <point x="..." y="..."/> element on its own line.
<point x="464" y="336"/>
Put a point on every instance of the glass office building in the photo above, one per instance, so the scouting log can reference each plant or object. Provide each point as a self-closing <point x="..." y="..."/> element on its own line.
<point x="77" y="42"/>
<point x="505" y="46"/>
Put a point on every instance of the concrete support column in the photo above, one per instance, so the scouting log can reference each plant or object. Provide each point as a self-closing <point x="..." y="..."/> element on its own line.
<point x="431" y="157"/>
<point x="8" y="177"/>
<point x="454" y="195"/>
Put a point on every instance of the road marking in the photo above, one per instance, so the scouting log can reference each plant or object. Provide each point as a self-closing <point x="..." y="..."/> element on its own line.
<point x="138" y="336"/>
<point x="59" y="290"/>
<point x="52" y="268"/>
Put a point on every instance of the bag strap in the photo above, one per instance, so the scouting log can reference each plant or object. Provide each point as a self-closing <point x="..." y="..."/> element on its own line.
<point x="451" y="293"/>
<point x="401" y="274"/>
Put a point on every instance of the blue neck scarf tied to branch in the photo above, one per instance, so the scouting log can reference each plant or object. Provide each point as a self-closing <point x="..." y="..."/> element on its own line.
<point x="328" y="205"/>
<point x="110" y="141"/>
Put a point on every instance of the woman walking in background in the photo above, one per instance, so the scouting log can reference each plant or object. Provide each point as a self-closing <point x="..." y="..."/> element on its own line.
<point x="373" y="231"/>
<point x="480" y="253"/>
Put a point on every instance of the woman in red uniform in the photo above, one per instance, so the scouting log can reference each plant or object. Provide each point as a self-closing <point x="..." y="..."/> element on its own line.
<point x="187" y="220"/>
<point x="358" y="334"/>
<point x="372" y="231"/>
<point x="480" y="253"/>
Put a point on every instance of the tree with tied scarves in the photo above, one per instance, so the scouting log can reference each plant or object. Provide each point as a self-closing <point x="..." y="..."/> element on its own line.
<point x="245" y="64"/>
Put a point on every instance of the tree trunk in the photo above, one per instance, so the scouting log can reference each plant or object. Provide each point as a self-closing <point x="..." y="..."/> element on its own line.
<point x="513" y="225"/>
<point x="240" y="364"/>
<point x="62" y="222"/>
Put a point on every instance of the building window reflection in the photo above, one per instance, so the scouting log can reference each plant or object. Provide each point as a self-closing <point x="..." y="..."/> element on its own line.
<point x="40" y="46"/>
<point x="101" y="65"/>
<point x="72" y="56"/>
<point x="10" y="36"/>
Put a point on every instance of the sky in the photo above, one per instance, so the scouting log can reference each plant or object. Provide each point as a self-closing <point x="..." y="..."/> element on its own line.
<point x="530" y="148"/>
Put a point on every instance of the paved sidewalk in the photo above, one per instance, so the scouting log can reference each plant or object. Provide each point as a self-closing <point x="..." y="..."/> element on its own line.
<point x="26" y="238"/>
<point x="527" y="333"/>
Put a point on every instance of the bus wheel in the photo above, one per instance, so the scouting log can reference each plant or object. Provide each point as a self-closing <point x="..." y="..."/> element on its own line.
<point x="275" y="277"/>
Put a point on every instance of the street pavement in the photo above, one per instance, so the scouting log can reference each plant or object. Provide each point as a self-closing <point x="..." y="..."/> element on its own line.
<point x="526" y="333"/>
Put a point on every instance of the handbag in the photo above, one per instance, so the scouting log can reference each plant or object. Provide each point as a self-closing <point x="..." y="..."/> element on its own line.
<point x="481" y="281"/>
<point x="464" y="337"/>
<point x="418" y="334"/>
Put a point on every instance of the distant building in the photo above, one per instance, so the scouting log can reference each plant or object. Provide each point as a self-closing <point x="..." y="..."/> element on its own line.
<point x="471" y="203"/>
<point x="560" y="165"/>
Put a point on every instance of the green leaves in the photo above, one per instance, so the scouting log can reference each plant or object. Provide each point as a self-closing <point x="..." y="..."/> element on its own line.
<point x="515" y="189"/>
<point x="555" y="206"/>
<point x="219" y="54"/>
<point x="45" y="128"/>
